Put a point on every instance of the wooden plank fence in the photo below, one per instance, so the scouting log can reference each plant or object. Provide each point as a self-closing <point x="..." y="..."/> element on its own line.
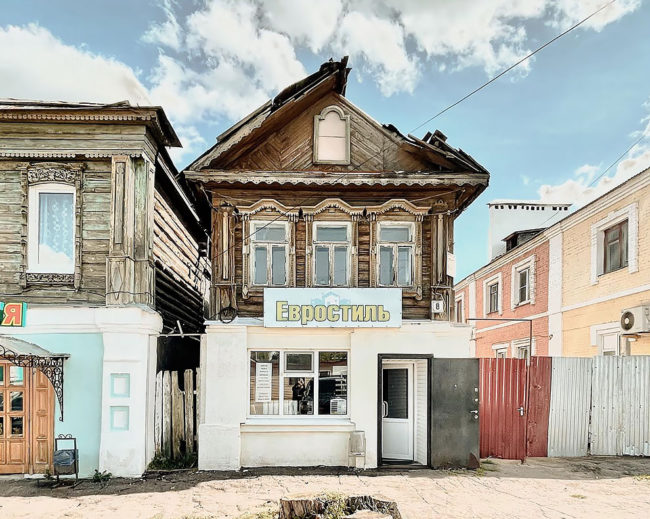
<point x="176" y="412"/>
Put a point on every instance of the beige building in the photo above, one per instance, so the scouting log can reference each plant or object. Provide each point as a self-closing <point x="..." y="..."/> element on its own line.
<point x="586" y="281"/>
<point x="606" y="270"/>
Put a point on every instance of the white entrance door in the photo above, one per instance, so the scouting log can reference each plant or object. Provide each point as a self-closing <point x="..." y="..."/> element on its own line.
<point x="397" y="418"/>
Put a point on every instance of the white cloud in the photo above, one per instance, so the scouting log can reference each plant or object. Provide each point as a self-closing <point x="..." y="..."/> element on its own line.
<point x="579" y="191"/>
<point x="167" y="33"/>
<point x="307" y="23"/>
<point x="40" y="66"/>
<point x="384" y="53"/>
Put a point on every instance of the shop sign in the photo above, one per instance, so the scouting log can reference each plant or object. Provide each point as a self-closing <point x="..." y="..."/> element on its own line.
<point x="332" y="307"/>
<point x="13" y="314"/>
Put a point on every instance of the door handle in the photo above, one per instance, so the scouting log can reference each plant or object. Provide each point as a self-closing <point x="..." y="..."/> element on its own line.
<point x="384" y="409"/>
<point x="475" y="413"/>
<point x="521" y="410"/>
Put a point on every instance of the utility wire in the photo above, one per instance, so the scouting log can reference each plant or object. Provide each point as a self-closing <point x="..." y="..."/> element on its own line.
<point x="618" y="159"/>
<point x="528" y="56"/>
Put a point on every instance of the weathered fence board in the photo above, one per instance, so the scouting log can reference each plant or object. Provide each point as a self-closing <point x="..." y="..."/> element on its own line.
<point x="188" y="384"/>
<point x="167" y="412"/>
<point x="175" y="413"/>
<point x="568" y="424"/>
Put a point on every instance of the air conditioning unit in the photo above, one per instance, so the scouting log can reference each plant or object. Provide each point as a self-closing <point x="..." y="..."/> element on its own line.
<point x="635" y="320"/>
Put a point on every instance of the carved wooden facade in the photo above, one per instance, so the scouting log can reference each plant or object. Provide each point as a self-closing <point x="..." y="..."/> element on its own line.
<point x="265" y="171"/>
<point x="137" y="237"/>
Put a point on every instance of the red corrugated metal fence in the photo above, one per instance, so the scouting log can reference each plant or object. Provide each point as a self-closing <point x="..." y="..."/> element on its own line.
<point x="514" y="407"/>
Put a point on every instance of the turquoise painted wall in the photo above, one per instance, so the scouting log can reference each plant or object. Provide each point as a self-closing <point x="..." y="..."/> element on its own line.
<point x="82" y="391"/>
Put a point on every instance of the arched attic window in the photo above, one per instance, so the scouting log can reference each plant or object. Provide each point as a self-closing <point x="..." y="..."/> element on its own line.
<point x="332" y="136"/>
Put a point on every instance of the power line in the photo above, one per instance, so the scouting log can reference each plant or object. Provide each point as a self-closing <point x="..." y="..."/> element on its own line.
<point x="528" y="56"/>
<point x="618" y="159"/>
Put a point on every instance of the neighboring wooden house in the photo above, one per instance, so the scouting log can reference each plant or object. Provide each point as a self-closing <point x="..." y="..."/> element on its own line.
<point x="103" y="243"/>
<point x="340" y="215"/>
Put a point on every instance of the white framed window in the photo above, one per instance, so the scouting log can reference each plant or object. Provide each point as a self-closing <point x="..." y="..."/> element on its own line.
<point x="460" y="308"/>
<point x="332" y="136"/>
<point x="395" y="254"/>
<point x="500" y="350"/>
<point x="492" y="300"/>
<point x="298" y="383"/>
<point x="522" y="349"/>
<point x="606" y="338"/>
<point x="331" y="257"/>
<point x="522" y="285"/>
<point x="269" y="249"/>
<point x="614" y="242"/>
<point x="51" y="228"/>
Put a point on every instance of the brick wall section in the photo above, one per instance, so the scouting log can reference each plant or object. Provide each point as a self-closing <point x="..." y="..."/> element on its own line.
<point x="502" y="332"/>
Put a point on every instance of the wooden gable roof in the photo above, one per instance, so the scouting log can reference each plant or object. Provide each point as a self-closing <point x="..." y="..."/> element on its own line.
<point x="278" y="138"/>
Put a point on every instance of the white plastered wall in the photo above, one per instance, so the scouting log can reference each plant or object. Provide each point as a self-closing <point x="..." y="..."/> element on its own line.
<point x="229" y="440"/>
<point x="130" y="341"/>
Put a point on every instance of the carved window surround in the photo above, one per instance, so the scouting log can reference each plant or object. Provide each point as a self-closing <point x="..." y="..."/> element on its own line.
<point x="332" y="210"/>
<point x="39" y="173"/>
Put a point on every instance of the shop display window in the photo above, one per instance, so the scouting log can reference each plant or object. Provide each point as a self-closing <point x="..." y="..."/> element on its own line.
<point x="313" y="383"/>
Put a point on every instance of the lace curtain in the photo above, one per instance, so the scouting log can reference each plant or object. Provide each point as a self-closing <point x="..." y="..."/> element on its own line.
<point x="56" y="227"/>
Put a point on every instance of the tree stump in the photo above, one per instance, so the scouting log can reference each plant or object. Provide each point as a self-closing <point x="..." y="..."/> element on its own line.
<point x="298" y="506"/>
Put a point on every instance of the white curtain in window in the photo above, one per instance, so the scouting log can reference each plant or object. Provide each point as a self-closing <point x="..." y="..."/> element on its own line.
<point x="56" y="228"/>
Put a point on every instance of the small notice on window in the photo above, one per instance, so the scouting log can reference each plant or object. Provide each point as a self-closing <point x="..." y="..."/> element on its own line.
<point x="263" y="376"/>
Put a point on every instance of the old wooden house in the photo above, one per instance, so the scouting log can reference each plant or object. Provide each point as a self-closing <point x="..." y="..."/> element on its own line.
<point x="332" y="276"/>
<point x="101" y="252"/>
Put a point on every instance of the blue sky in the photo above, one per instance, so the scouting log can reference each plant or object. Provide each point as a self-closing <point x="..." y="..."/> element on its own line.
<point x="543" y="131"/>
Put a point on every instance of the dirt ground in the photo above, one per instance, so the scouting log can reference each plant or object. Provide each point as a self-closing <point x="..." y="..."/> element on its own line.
<point x="542" y="487"/>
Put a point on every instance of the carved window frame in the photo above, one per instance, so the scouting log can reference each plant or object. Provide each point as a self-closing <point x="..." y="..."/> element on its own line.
<point x="415" y="289"/>
<point x="248" y="242"/>
<point x="321" y="117"/>
<point x="36" y="175"/>
<point x="349" y="244"/>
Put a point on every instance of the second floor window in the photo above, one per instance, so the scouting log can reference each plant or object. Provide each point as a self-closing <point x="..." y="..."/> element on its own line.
<point x="331" y="254"/>
<point x="395" y="246"/>
<point x="523" y="286"/>
<point x="493" y="294"/>
<point x="269" y="243"/>
<point x="51" y="230"/>
<point x="615" y="247"/>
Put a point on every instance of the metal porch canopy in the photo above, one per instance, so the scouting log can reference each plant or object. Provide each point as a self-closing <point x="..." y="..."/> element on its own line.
<point x="28" y="355"/>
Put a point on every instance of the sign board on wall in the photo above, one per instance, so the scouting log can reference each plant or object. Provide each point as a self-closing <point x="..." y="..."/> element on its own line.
<point x="263" y="378"/>
<point x="13" y="314"/>
<point x="332" y="307"/>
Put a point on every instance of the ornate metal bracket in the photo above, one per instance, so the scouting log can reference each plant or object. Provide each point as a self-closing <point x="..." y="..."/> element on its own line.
<point x="52" y="368"/>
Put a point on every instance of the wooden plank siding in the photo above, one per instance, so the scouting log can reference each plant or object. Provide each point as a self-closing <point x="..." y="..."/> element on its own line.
<point x="289" y="146"/>
<point x="180" y="270"/>
<point x="95" y="210"/>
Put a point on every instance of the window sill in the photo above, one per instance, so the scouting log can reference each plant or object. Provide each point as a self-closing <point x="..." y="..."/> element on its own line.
<point x="287" y="424"/>
<point x="523" y="303"/>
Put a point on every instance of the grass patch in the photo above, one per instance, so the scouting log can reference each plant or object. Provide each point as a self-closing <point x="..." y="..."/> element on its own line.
<point x="643" y="477"/>
<point x="161" y="462"/>
<point x="578" y="496"/>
